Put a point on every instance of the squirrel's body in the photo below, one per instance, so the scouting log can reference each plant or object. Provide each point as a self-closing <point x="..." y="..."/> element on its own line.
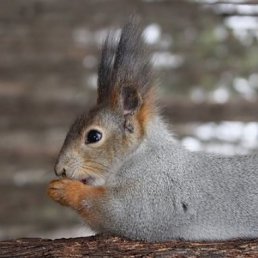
<point x="128" y="176"/>
<point x="168" y="192"/>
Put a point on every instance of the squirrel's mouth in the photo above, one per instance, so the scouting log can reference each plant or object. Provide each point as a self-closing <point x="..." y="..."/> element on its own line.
<point x="92" y="180"/>
<point x="89" y="180"/>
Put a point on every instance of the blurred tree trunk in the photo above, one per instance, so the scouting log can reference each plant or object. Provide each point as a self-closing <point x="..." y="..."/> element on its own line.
<point x="42" y="114"/>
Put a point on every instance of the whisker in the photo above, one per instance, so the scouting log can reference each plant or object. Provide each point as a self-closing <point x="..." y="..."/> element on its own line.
<point x="78" y="169"/>
<point x="93" y="169"/>
<point x="94" y="165"/>
<point x="97" y="163"/>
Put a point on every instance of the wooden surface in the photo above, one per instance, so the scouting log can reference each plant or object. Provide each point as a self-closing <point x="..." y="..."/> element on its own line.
<point x="103" y="246"/>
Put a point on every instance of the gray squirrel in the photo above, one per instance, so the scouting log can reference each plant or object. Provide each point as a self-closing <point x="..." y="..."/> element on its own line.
<point x="123" y="172"/>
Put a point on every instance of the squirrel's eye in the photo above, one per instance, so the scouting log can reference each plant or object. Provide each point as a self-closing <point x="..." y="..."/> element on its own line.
<point x="93" y="136"/>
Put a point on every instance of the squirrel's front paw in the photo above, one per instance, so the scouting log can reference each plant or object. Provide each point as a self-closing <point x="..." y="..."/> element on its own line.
<point x="66" y="192"/>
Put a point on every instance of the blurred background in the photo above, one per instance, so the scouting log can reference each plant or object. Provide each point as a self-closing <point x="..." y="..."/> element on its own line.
<point x="205" y="54"/>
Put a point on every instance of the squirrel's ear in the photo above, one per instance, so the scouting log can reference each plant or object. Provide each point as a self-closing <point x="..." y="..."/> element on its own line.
<point x="131" y="100"/>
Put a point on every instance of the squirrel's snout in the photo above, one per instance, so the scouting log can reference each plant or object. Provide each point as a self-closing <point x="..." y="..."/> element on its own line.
<point x="60" y="170"/>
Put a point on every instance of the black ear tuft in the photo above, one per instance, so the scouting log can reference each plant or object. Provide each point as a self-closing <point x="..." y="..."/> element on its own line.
<point x="105" y="70"/>
<point x="125" y="70"/>
<point x="131" y="100"/>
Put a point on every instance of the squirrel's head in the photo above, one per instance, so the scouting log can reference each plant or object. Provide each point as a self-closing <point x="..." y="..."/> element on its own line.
<point x="116" y="126"/>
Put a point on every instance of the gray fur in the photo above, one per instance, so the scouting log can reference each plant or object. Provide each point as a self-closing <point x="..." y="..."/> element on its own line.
<point x="164" y="192"/>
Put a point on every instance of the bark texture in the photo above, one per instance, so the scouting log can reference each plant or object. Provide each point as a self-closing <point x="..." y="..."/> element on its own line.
<point x="106" y="246"/>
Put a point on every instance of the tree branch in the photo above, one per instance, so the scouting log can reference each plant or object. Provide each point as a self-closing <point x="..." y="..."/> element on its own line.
<point x="117" y="247"/>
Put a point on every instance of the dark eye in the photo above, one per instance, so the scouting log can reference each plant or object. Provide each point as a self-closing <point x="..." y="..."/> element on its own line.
<point x="93" y="136"/>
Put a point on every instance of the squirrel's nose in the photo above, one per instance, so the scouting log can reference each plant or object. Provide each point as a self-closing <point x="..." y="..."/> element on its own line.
<point x="60" y="170"/>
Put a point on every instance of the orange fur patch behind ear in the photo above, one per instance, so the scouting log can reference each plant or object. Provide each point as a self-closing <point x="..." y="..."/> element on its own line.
<point x="148" y="109"/>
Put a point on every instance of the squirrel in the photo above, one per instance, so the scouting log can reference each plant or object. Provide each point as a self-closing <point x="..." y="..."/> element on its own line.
<point x="122" y="170"/>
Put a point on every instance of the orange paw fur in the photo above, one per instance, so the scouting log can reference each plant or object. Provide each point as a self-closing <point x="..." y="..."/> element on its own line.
<point x="72" y="193"/>
<point x="67" y="192"/>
